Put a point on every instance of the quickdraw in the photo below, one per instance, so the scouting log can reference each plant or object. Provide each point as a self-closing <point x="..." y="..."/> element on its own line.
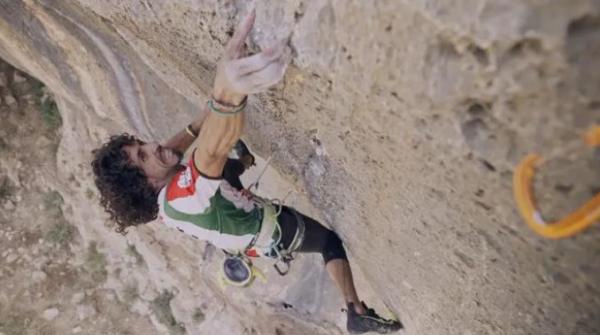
<point x="284" y="256"/>
<point x="573" y="223"/>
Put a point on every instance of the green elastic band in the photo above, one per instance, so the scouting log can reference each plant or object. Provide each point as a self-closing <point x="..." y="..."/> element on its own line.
<point x="214" y="109"/>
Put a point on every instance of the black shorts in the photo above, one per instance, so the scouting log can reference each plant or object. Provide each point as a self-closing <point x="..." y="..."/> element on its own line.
<point x="317" y="238"/>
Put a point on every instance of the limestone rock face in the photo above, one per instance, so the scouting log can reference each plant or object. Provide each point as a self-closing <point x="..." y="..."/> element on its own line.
<point x="400" y="121"/>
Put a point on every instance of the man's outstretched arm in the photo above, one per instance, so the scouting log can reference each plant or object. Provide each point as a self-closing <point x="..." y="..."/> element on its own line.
<point x="183" y="139"/>
<point x="236" y="78"/>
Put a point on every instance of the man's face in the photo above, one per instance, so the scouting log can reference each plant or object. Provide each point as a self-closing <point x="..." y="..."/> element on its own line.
<point x="158" y="163"/>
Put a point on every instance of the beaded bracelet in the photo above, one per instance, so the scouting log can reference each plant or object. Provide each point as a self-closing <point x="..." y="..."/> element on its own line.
<point x="224" y="109"/>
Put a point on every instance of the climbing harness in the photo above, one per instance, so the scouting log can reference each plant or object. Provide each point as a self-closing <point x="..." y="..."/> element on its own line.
<point x="285" y="256"/>
<point x="237" y="268"/>
<point x="567" y="226"/>
<point x="268" y="241"/>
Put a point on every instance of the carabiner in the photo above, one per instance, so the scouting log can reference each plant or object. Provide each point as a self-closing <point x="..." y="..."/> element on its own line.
<point x="573" y="223"/>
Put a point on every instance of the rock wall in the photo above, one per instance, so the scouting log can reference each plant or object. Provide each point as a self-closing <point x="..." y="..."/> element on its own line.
<point x="400" y="121"/>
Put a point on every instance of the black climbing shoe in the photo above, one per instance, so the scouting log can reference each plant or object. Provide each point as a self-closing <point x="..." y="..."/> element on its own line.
<point x="241" y="149"/>
<point x="369" y="322"/>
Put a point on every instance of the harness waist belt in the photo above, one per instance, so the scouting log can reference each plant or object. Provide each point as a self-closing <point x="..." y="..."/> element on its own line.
<point x="264" y="239"/>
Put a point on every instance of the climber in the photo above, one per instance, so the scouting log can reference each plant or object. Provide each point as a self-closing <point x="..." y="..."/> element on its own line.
<point x="200" y="199"/>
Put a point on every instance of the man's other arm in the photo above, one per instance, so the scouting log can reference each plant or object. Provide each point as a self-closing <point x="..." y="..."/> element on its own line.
<point x="183" y="140"/>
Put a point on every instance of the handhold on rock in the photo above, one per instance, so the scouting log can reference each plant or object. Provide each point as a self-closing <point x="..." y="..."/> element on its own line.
<point x="18" y="78"/>
<point x="9" y="100"/>
<point x="51" y="313"/>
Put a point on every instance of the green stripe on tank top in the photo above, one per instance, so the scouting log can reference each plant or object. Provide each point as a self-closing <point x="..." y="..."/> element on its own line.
<point x="221" y="215"/>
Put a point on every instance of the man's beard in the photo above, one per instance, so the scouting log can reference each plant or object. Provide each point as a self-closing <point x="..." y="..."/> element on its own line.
<point x="179" y="154"/>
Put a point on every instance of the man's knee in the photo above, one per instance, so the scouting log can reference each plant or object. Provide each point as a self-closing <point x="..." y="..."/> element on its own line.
<point x="334" y="248"/>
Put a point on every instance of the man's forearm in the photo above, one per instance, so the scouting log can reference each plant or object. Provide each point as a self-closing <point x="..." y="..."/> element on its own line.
<point x="219" y="134"/>
<point x="183" y="140"/>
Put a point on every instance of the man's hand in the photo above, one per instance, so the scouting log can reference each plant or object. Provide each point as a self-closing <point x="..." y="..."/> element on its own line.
<point x="237" y="77"/>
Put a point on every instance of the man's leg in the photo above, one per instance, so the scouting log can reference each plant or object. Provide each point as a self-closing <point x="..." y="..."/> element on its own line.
<point x="317" y="238"/>
<point x="339" y="270"/>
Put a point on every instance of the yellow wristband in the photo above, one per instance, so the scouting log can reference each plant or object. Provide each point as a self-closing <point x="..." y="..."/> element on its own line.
<point x="191" y="131"/>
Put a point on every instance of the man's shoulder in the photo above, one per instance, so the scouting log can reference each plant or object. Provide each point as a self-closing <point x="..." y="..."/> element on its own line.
<point x="189" y="191"/>
<point x="181" y="184"/>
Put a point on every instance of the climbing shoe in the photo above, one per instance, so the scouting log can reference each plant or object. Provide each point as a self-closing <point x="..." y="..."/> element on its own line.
<point x="369" y="322"/>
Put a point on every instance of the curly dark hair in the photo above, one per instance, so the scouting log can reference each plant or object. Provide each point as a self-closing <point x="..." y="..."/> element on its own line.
<point x="125" y="192"/>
